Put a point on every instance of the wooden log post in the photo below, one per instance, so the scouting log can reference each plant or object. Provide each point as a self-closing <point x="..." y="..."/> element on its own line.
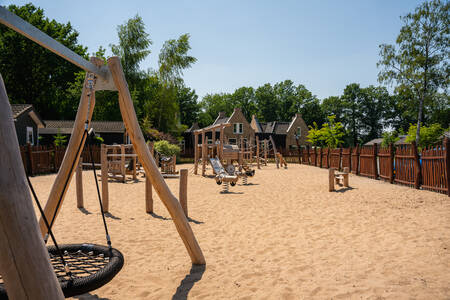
<point x="183" y="190"/>
<point x="104" y="176"/>
<point x="79" y="183"/>
<point x="214" y="146"/>
<point x="358" y="150"/>
<point x="257" y="153"/>
<point x="151" y="170"/>
<point x="204" y="154"/>
<point x="196" y="156"/>
<point x="77" y="139"/>
<point x="148" y="196"/>
<point x="133" y="161"/>
<point x="391" y="163"/>
<point x="122" y="163"/>
<point x="331" y="179"/>
<point x="265" y="151"/>
<point x="447" y="163"/>
<point x="222" y="129"/>
<point x="149" y="188"/>
<point x="24" y="261"/>
<point x="320" y="157"/>
<point x="417" y="167"/>
<point x="347" y="172"/>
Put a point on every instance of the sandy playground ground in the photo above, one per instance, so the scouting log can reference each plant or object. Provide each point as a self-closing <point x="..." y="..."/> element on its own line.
<point x="284" y="236"/>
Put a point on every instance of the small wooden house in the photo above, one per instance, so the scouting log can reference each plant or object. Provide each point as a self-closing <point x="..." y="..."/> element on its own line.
<point x="240" y="127"/>
<point x="284" y="134"/>
<point x="28" y="123"/>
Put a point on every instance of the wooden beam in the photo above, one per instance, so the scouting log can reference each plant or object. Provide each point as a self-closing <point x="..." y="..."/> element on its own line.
<point x="203" y="153"/>
<point x="151" y="170"/>
<point x="257" y="153"/>
<point x="66" y="170"/>
<point x="24" y="261"/>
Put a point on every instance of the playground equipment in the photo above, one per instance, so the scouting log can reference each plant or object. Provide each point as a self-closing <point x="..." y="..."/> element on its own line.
<point x="24" y="263"/>
<point x="118" y="165"/>
<point x="340" y="178"/>
<point x="278" y="156"/>
<point x="222" y="176"/>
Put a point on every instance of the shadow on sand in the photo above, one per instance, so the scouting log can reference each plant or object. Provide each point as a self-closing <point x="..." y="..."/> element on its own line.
<point x="84" y="211"/>
<point x="188" y="282"/>
<point x="343" y="190"/>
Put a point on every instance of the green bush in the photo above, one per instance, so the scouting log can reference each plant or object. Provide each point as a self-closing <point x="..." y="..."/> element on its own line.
<point x="389" y="137"/>
<point x="166" y="149"/>
<point x="429" y="136"/>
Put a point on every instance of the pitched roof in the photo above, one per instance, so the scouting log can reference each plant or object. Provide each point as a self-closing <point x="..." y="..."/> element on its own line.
<point x="371" y="142"/>
<point x="66" y="126"/>
<point x="18" y="109"/>
<point x="281" y="127"/>
<point x="193" y="127"/>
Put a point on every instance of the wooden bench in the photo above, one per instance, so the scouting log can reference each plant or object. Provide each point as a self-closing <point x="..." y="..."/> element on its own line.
<point x="340" y="178"/>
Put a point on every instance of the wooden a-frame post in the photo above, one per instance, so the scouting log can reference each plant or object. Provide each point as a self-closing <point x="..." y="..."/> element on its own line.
<point x="24" y="261"/>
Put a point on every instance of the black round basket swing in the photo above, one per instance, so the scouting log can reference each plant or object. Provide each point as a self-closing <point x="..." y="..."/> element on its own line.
<point x="80" y="268"/>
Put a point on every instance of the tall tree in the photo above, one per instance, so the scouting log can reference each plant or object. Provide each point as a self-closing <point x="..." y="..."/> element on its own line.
<point x="189" y="107"/>
<point x="244" y="98"/>
<point x="420" y="61"/>
<point x="352" y="97"/>
<point x="35" y="75"/>
<point x="266" y="103"/>
<point x="133" y="48"/>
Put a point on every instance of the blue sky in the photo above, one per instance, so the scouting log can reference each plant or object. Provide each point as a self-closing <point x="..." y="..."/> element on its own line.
<point x="322" y="44"/>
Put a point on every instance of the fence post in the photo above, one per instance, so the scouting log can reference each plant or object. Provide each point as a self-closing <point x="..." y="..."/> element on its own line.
<point x="320" y="157"/>
<point x="104" y="172"/>
<point x="307" y="155"/>
<point x="375" y="157"/>
<point x="416" y="166"/>
<point x="391" y="163"/>
<point x="30" y="159"/>
<point x="183" y="190"/>
<point x="447" y="163"/>
<point x="357" y="160"/>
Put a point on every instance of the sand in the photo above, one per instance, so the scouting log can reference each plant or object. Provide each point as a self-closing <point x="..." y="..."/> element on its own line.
<point x="284" y="236"/>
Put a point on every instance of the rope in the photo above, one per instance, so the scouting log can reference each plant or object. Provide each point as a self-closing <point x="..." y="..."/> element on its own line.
<point x="60" y="254"/>
<point x="108" y="239"/>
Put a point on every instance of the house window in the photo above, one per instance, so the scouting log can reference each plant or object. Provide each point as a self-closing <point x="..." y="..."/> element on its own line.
<point x="209" y="141"/>
<point x="238" y="128"/>
<point x="30" y="136"/>
<point x="299" y="131"/>
<point x="232" y="141"/>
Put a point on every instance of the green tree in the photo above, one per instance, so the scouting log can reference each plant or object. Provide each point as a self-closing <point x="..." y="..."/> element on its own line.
<point x="389" y="137"/>
<point x="352" y="97"/>
<point x="244" y="98"/>
<point x="420" y="62"/>
<point x="331" y="134"/>
<point x="266" y="103"/>
<point x="33" y="74"/>
<point x="212" y="104"/>
<point x="133" y="48"/>
<point x="189" y="107"/>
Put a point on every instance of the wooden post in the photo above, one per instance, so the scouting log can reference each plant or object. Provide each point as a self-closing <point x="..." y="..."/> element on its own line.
<point x="148" y="195"/>
<point x="195" y="152"/>
<point x="60" y="185"/>
<point x="151" y="170"/>
<point x="447" y="163"/>
<point x="331" y="179"/>
<point x="320" y="157"/>
<point x="274" y="151"/>
<point x="241" y="152"/>
<point x="257" y="153"/>
<point x="204" y="152"/>
<point x="357" y="159"/>
<point x="122" y="163"/>
<point x="133" y="161"/>
<point x="391" y="163"/>
<point x="183" y="190"/>
<point x="79" y="183"/>
<point x="30" y="159"/>
<point x="347" y="172"/>
<point x="214" y="147"/>
<point x="222" y="129"/>
<point x="265" y="151"/>
<point x="105" y="175"/>
<point x="24" y="261"/>
<point x="416" y="166"/>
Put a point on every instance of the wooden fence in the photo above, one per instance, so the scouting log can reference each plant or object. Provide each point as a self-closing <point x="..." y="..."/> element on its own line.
<point x="335" y="158"/>
<point x="47" y="159"/>
<point x="403" y="164"/>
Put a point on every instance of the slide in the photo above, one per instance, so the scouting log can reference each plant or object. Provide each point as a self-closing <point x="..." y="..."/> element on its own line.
<point x="217" y="166"/>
